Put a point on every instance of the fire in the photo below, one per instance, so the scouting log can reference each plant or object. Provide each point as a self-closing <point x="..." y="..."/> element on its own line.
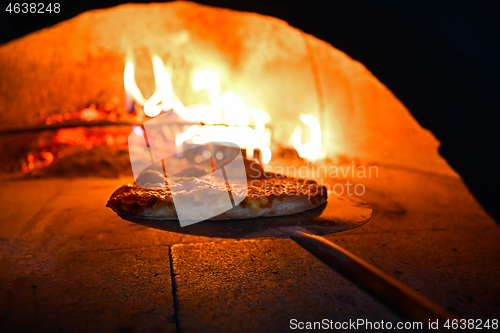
<point x="162" y="99"/>
<point x="226" y="119"/>
<point x="235" y="110"/>
<point x="209" y="81"/>
<point x="132" y="91"/>
<point x="90" y="113"/>
<point x="311" y="149"/>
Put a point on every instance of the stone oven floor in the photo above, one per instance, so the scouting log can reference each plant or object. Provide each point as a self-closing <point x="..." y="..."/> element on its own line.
<point x="68" y="263"/>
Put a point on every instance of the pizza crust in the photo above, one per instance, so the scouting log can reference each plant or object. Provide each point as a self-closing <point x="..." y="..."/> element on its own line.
<point x="158" y="203"/>
<point x="264" y="194"/>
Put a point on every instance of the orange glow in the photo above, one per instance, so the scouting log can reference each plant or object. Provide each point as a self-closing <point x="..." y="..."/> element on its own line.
<point x="236" y="113"/>
<point x="152" y="108"/>
<point x="269" y="64"/>
<point x="235" y="110"/>
<point x="90" y="113"/>
<point x="311" y="149"/>
<point x="48" y="157"/>
<point x="73" y="136"/>
<point x="244" y="137"/>
<point x="110" y="140"/>
<point x="209" y="81"/>
<point x="131" y="88"/>
<point x="260" y="119"/>
<point x="31" y="165"/>
<point x="163" y="97"/>
<point x="112" y="117"/>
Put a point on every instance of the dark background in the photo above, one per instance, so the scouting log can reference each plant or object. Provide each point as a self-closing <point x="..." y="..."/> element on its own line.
<point x="441" y="58"/>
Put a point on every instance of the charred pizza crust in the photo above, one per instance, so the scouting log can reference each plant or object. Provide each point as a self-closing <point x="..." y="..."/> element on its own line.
<point x="269" y="196"/>
<point x="261" y="194"/>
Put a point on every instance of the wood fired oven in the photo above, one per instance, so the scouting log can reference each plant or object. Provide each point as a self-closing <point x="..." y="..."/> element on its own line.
<point x="71" y="95"/>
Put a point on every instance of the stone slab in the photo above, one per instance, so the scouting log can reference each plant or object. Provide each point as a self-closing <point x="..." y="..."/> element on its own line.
<point x="260" y="285"/>
<point x="105" y="291"/>
<point x="427" y="231"/>
<point x="66" y="215"/>
<point x="95" y="271"/>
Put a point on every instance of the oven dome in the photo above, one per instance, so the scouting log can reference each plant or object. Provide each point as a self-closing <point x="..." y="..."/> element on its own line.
<point x="270" y="64"/>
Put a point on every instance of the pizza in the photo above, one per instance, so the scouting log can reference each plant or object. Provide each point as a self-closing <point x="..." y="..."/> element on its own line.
<point x="260" y="194"/>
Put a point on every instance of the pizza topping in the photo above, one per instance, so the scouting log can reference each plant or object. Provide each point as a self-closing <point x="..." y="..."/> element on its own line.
<point x="261" y="194"/>
<point x="150" y="179"/>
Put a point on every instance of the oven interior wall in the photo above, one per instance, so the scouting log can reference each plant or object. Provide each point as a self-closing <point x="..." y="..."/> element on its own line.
<point x="269" y="64"/>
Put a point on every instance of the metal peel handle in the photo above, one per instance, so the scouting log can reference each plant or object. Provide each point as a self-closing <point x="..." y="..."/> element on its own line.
<point x="400" y="298"/>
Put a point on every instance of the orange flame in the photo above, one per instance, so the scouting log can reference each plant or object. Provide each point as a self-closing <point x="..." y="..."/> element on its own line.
<point x="236" y="113"/>
<point x="235" y="110"/>
<point x="131" y="89"/>
<point x="163" y="97"/>
<point x="209" y="81"/>
<point x="311" y="149"/>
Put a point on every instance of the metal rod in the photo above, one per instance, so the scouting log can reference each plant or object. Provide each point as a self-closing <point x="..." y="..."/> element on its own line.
<point x="99" y="123"/>
<point x="397" y="296"/>
<point x="38" y="128"/>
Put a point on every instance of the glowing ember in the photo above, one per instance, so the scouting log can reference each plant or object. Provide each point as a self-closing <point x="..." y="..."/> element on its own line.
<point x="89" y="113"/>
<point x="82" y="147"/>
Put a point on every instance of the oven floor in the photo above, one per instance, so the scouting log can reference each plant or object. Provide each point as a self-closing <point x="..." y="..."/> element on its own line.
<point x="68" y="263"/>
